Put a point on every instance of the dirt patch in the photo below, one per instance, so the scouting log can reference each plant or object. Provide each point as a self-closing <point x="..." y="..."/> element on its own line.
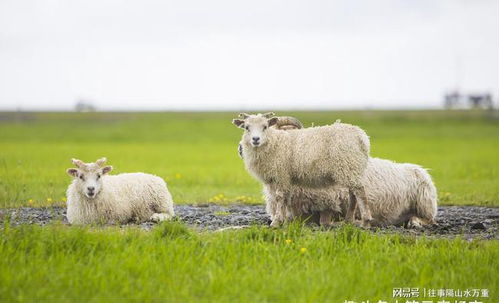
<point x="466" y="221"/>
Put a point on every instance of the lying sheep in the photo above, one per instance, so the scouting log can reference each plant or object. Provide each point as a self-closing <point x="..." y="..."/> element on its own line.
<point x="315" y="157"/>
<point x="397" y="193"/>
<point x="96" y="197"/>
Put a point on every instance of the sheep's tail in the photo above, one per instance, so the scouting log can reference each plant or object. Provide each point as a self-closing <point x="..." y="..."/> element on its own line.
<point x="426" y="196"/>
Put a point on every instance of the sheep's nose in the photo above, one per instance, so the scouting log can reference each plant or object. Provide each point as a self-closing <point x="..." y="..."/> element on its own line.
<point x="256" y="139"/>
<point x="91" y="188"/>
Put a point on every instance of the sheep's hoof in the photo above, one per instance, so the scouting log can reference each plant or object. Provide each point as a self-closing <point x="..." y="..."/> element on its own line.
<point x="362" y="223"/>
<point x="275" y="223"/>
<point x="357" y="223"/>
<point x="367" y="223"/>
<point x="415" y="222"/>
<point x="326" y="223"/>
<point x="159" y="217"/>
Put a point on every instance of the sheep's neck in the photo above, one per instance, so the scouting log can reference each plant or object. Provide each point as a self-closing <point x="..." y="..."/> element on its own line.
<point x="264" y="161"/>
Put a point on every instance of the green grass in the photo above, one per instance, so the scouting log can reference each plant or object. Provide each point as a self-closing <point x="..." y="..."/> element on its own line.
<point x="174" y="264"/>
<point x="196" y="152"/>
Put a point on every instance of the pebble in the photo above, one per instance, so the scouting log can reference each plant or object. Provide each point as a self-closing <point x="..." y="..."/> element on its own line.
<point x="479" y="225"/>
<point x="469" y="222"/>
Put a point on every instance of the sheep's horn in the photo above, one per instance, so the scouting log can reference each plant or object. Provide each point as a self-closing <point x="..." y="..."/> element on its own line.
<point x="243" y="115"/>
<point x="268" y="115"/>
<point x="78" y="163"/>
<point x="288" y="123"/>
<point x="101" y="161"/>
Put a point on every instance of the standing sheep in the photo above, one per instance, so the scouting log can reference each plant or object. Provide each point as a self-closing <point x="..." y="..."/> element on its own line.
<point x="96" y="197"/>
<point x="315" y="157"/>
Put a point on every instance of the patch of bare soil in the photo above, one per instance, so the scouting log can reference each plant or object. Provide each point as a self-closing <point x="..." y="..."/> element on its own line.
<point x="466" y="221"/>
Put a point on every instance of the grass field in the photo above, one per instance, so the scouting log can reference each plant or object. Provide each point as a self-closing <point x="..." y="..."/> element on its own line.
<point x="172" y="264"/>
<point x="196" y="153"/>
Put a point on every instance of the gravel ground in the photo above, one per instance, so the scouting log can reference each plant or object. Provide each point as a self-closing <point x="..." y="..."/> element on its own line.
<point x="466" y="221"/>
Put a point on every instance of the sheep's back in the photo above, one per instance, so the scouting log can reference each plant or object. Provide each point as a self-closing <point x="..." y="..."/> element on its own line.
<point x="326" y="154"/>
<point x="390" y="189"/>
<point x="135" y="186"/>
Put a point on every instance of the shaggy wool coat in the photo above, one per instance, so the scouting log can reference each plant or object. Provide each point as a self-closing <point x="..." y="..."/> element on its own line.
<point x="396" y="192"/>
<point x="123" y="198"/>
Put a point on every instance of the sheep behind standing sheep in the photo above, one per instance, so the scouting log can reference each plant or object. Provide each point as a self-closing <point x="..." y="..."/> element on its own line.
<point x="400" y="193"/>
<point x="94" y="197"/>
<point x="397" y="193"/>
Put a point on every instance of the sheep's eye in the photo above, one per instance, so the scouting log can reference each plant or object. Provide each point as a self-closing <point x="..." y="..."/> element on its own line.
<point x="247" y="127"/>
<point x="81" y="177"/>
<point x="98" y="177"/>
<point x="265" y="127"/>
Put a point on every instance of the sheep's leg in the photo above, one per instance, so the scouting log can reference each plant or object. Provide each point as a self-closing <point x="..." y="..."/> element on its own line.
<point x="159" y="217"/>
<point x="360" y="200"/>
<point x="279" y="215"/>
<point x="326" y="217"/>
<point x="352" y="207"/>
<point x="274" y="205"/>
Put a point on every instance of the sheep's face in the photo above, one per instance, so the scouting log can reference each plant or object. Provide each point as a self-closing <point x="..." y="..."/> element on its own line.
<point x="88" y="178"/>
<point x="255" y="128"/>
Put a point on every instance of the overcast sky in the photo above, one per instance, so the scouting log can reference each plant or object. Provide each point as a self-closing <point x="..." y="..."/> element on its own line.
<point x="228" y="54"/>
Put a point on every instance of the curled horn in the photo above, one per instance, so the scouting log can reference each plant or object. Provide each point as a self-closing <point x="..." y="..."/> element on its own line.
<point x="286" y="123"/>
<point x="101" y="161"/>
<point x="78" y="163"/>
<point x="268" y="115"/>
<point x="243" y="115"/>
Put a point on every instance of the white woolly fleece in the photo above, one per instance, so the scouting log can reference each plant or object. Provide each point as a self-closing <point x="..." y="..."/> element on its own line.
<point x="313" y="158"/>
<point x="396" y="192"/>
<point x="126" y="197"/>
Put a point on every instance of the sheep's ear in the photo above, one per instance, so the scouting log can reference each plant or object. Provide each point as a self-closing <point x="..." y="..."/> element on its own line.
<point x="73" y="172"/>
<point x="101" y="161"/>
<point x="238" y="123"/>
<point x="106" y="169"/>
<point x="273" y="121"/>
<point x="268" y="115"/>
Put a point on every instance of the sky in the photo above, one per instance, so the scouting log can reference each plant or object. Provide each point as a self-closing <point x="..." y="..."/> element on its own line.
<point x="243" y="55"/>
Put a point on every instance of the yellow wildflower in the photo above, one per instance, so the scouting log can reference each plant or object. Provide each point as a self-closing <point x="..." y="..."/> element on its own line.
<point x="288" y="241"/>
<point x="303" y="250"/>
